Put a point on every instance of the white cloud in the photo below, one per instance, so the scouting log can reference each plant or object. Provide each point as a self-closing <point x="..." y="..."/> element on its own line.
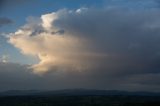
<point x="4" y="58"/>
<point x="55" y="50"/>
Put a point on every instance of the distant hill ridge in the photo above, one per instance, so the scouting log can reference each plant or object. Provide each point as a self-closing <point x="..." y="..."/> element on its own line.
<point x="76" y="92"/>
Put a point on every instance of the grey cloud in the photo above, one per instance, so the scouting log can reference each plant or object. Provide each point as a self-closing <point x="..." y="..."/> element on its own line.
<point x="16" y="76"/>
<point x="129" y="39"/>
<point x="5" y="21"/>
<point x="132" y="38"/>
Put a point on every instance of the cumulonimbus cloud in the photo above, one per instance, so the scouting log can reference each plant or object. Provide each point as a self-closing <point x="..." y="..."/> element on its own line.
<point x="112" y="40"/>
<point x="55" y="47"/>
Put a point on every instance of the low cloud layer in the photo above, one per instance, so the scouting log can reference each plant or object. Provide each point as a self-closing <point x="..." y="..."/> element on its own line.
<point x="18" y="77"/>
<point x="105" y="48"/>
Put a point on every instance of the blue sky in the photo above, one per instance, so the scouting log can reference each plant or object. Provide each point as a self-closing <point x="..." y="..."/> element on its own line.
<point x="19" y="11"/>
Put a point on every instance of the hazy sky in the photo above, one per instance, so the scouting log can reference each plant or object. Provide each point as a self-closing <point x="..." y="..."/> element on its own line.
<point x="95" y="44"/>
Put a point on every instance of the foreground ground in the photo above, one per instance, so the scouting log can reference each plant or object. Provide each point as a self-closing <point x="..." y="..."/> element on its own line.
<point x="80" y="101"/>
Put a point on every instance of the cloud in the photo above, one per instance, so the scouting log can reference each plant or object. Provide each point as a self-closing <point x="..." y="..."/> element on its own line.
<point x="4" y="58"/>
<point x="105" y="48"/>
<point x="15" y="76"/>
<point x="91" y="38"/>
<point x="53" y="47"/>
<point x="5" y="21"/>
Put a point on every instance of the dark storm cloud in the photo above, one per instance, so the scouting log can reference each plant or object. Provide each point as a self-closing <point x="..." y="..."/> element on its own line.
<point x="16" y="76"/>
<point x="5" y="21"/>
<point x="129" y="39"/>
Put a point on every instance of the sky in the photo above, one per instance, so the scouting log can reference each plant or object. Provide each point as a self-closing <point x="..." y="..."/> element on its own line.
<point x="68" y="44"/>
